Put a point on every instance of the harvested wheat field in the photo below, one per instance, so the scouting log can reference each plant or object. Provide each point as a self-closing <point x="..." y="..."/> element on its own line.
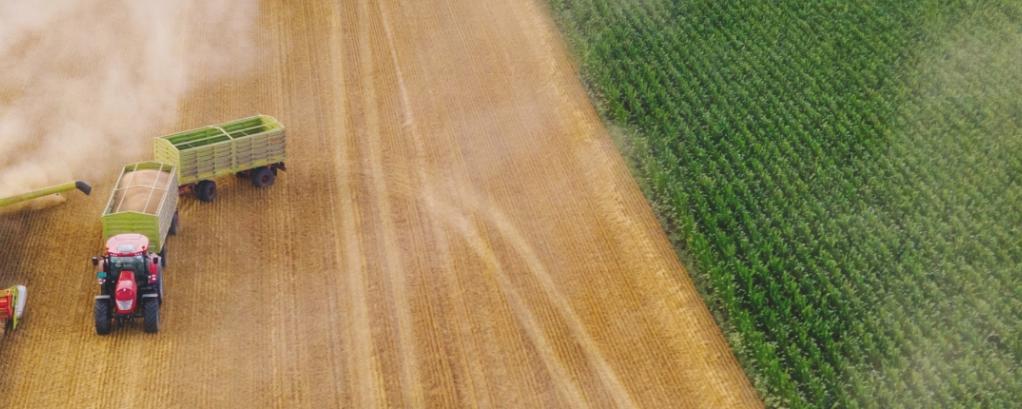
<point x="455" y="229"/>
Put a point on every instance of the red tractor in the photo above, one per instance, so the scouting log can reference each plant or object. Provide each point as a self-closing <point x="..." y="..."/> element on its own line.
<point x="12" y="306"/>
<point x="131" y="283"/>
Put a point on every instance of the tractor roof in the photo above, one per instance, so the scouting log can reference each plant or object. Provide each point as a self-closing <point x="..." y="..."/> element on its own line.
<point x="129" y="244"/>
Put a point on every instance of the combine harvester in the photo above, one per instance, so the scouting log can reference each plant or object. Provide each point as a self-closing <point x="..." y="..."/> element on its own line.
<point x="141" y="213"/>
<point x="12" y="300"/>
<point x="252" y="148"/>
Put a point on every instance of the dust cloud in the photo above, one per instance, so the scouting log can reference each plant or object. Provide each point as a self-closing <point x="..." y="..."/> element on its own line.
<point x="84" y="84"/>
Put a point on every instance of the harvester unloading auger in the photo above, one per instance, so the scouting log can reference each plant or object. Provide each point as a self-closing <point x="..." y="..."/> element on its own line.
<point x="12" y="300"/>
<point x="52" y="190"/>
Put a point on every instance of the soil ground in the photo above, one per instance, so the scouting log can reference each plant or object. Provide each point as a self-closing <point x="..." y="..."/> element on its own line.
<point x="455" y="228"/>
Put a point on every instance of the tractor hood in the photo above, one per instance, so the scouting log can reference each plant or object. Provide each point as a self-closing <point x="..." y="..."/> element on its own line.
<point x="126" y="293"/>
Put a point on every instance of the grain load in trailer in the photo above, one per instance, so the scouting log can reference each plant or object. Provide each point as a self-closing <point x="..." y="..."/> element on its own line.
<point x="253" y="147"/>
<point x="141" y="203"/>
<point x="141" y="213"/>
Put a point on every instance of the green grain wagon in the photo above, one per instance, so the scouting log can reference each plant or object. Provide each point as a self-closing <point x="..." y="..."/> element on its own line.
<point x="253" y="147"/>
<point x="144" y="201"/>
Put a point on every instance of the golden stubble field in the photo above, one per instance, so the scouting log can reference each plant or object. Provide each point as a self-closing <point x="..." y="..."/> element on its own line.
<point x="455" y="229"/>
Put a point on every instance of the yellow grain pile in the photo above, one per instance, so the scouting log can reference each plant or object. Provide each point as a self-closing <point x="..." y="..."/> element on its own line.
<point x="141" y="191"/>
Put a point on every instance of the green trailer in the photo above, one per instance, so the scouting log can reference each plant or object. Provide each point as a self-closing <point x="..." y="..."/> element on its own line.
<point x="253" y="147"/>
<point x="143" y="201"/>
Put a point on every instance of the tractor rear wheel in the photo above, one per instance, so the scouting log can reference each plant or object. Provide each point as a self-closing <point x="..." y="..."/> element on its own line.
<point x="206" y="190"/>
<point x="102" y="313"/>
<point x="159" y="284"/>
<point x="263" y="177"/>
<point x="151" y="315"/>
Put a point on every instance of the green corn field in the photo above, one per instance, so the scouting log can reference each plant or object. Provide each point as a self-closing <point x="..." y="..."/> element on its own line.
<point x="842" y="179"/>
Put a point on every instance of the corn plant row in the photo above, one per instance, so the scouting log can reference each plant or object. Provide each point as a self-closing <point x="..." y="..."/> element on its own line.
<point x="842" y="179"/>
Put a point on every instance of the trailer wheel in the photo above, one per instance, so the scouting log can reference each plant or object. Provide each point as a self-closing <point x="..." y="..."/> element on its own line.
<point x="206" y="190"/>
<point x="263" y="177"/>
<point x="151" y="315"/>
<point x="163" y="255"/>
<point x="174" y="225"/>
<point x="102" y="315"/>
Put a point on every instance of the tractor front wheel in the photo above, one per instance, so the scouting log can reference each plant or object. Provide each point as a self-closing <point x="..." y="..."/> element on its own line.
<point x="151" y="315"/>
<point x="102" y="313"/>
<point x="206" y="190"/>
<point x="263" y="177"/>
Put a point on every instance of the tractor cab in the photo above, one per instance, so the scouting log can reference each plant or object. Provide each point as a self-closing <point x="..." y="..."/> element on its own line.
<point x="128" y="253"/>
<point x="127" y="245"/>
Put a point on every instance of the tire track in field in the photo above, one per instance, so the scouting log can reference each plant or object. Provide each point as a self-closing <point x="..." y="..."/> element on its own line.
<point x="606" y="373"/>
<point x="317" y="336"/>
<point x="471" y="363"/>
<point x="507" y="230"/>
<point x="478" y="243"/>
<point x="442" y="373"/>
<point x="516" y="359"/>
<point x="340" y="348"/>
<point x="409" y="127"/>
<point x="392" y="260"/>
<point x="509" y="233"/>
<point x="486" y="120"/>
<point x="427" y="184"/>
<point x="329" y="128"/>
<point x="366" y="374"/>
<point x="561" y="309"/>
<point x="284" y="301"/>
